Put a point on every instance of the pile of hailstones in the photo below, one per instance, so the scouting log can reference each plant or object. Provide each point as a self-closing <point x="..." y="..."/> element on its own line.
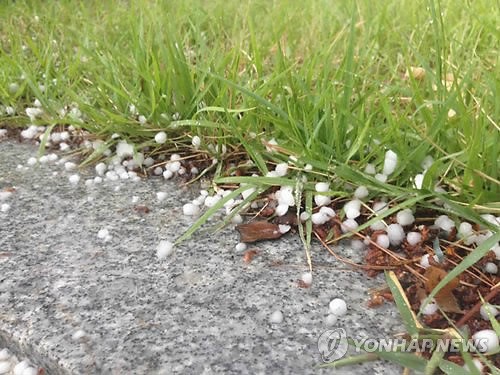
<point x="123" y="163"/>
<point x="9" y="364"/>
<point x="394" y="233"/>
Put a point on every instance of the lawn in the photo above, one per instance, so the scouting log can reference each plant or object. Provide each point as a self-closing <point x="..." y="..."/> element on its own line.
<point x="400" y="97"/>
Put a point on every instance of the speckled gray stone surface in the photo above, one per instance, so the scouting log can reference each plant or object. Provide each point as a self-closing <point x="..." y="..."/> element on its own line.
<point x="202" y="310"/>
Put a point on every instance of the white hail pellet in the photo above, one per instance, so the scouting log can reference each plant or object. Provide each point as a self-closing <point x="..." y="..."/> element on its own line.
<point x="142" y="119"/>
<point x="161" y="137"/>
<point x="164" y="249"/>
<point x="69" y="166"/>
<point x="352" y="209"/>
<point x="283" y="228"/>
<point x="158" y="171"/>
<point x="396" y="234"/>
<point x="161" y="195"/>
<point x="488" y="309"/>
<point x="319" y="218"/>
<point x="78" y="334"/>
<point x="304" y="216"/>
<point x="52" y="157"/>
<point x="21" y="367"/>
<point x="123" y="150"/>
<point x="285" y="196"/>
<point x="5" y="367"/>
<point x="491" y="267"/>
<point x="190" y="209"/>
<point x="276" y="317"/>
<point x="331" y="319"/>
<point x="405" y="217"/>
<point x="370" y="169"/>
<point x="103" y="233"/>
<point x="361" y="192"/>
<point x="101" y="168"/>
<point x="167" y="174"/>
<point x="33" y="112"/>
<point x="272" y="174"/>
<point x="148" y="162"/>
<point x="328" y="211"/>
<point x="174" y="166"/>
<point x="490" y="219"/>
<point x="444" y="223"/>
<point x="430" y="308"/>
<point x="488" y="339"/>
<point x="63" y="146"/>
<point x="424" y="261"/>
<point x="322" y="187"/>
<point x="281" y="169"/>
<point x="390" y="162"/>
<point x="349" y="225"/>
<point x="211" y="201"/>
<point x="413" y="238"/>
<point x="357" y="245"/>
<point x="74" y="179"/>
<point x="338" y="307"/>
<point x="4" y="354"/>
<point x="281" y="209"/>
<point x="246" y="193"/>
<point x="418" y="181"/>
<point x="465" y="229"/>
<point x="196" y="142"/>
<point x="32" y="161"/>
<point x="237" y="219"/>
<point x="427" y="162"/>
<point x="322" y="200"/>
<point x="97" y="180"/>
<point x="241" y="246"/>
<point x="307" y="278"/>
<point x="496" y="250"/>
<point x="378" y="225"/>
<point x="381" y="177"/>
<point x="308" y="168"/>
<point x="383" y="241"/>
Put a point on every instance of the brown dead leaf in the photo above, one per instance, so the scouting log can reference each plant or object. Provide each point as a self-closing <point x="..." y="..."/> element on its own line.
<point x="249" y="254"/>
<point x="445" y="298"/>
<point x="258" y="231"/>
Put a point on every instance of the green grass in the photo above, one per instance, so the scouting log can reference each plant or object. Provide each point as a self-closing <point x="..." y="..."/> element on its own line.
<point x="326" y="79"/>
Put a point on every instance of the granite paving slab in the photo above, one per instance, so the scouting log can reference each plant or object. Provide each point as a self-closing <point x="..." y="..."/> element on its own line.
<point x="76" y="304"/>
